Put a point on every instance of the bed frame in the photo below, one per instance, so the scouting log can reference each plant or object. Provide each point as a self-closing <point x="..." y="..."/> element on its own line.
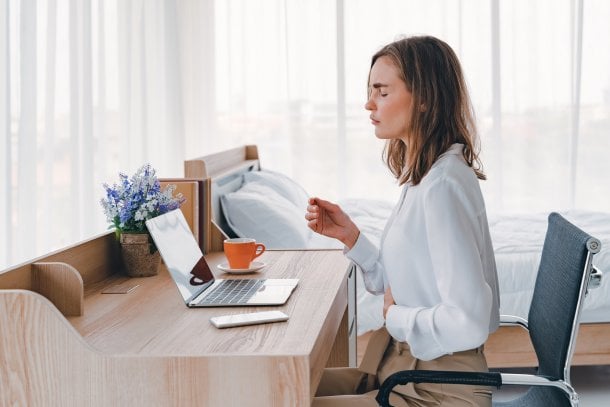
<point x="220" y="174"/>
<point x="509" y="346"/>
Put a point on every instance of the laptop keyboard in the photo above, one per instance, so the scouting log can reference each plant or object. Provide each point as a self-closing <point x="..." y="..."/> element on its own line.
<point x="233" y="292"/>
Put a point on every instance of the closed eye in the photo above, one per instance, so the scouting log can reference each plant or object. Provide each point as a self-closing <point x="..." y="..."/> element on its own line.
<point x="379" y="87"/>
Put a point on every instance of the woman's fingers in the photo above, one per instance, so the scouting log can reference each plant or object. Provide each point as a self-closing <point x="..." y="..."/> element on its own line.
<point x="322" y="203"/>
<point x="313" y="212"/>
<point x="327" y="205"/>
<point x="312" y="215"/>
<point x="318" y="212"/>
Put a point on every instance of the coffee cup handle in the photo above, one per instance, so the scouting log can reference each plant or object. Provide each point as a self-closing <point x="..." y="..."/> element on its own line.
<point x="260" y="249"/>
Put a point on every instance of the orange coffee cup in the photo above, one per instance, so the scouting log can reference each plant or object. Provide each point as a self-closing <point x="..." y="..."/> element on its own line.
<point x="241" y="251"/>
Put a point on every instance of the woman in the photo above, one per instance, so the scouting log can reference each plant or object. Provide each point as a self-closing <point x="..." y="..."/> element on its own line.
<point x="435" y="265"/>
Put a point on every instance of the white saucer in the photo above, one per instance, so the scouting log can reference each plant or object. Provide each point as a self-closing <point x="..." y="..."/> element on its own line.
<point x="254" y="267"/>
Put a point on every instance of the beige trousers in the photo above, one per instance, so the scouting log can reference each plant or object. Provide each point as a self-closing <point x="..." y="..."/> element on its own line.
<point x="384" y="356"/>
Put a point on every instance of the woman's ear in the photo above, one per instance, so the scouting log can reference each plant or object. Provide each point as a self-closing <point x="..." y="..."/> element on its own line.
<point x="422" y="108"/>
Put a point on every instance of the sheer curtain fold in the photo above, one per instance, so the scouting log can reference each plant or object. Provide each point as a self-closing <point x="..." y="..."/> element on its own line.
<point x="151" y="84"/>
<point x="100" y="74"/>
<point x="94" y="87"/>
<point x="49" y="111"/>
<point x="6" y="229"/>
<point x="577" y="28"/>
<point x="197" y="73"/>
<point x="27" y="193"/>
<point x="81" y="114"/>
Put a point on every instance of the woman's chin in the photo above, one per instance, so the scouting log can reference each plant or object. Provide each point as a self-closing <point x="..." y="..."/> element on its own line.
<point x="384" y="136"/>
<point x="381" y="135"/>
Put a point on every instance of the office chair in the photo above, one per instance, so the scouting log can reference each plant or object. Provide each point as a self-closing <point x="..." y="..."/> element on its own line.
<point x="564" y="276"/>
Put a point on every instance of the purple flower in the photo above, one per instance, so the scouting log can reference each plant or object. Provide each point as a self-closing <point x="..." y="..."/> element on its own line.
<point x="133" y="200"/>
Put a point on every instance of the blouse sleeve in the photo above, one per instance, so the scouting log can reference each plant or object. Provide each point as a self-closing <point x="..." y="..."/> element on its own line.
<point x="366" y="256"/>
<point x="460" y="320"/>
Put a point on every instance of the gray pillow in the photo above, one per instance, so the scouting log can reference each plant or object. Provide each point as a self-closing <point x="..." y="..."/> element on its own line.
<point x="258" y="211"/>
<point x="282" y="184"/>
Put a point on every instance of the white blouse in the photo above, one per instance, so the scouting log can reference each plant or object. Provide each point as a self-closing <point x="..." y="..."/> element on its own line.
<point x="437" y="257"/>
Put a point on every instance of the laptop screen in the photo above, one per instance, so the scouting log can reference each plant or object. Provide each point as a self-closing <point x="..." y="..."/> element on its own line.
<point x="181" y="254"/>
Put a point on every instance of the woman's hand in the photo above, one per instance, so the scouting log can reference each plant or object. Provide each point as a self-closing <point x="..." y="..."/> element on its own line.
<point x="388" y="301"/>
<point x="328" y="219"/>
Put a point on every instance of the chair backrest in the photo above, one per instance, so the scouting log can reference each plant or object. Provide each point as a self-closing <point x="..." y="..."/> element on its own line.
<point x="561" y="284"/>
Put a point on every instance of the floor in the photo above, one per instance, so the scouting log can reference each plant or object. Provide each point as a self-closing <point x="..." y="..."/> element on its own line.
<point x="591" y="382"/>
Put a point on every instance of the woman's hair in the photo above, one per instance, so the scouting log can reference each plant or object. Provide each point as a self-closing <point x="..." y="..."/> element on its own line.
<point x="442" y="113"/>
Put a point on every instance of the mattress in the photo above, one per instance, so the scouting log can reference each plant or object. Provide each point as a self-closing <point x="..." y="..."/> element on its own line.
<point x="518" y="240"/>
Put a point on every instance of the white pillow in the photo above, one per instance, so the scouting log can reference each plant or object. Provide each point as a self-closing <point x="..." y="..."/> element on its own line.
<point x="260" y="212"/>
<point x="282" y="184"/>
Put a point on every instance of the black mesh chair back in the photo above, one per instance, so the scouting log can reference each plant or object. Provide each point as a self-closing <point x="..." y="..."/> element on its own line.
<point x="560" y="286"/>
<point x="556" y="294"/>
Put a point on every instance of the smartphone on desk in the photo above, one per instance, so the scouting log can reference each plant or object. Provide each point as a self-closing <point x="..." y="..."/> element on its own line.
<point x="252" y="318"/>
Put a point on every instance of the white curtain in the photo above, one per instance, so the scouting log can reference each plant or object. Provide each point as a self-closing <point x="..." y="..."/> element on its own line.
<point x="93" y="87"/>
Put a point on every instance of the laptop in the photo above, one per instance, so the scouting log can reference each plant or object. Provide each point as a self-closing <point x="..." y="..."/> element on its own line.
<point x="193" y="277"/>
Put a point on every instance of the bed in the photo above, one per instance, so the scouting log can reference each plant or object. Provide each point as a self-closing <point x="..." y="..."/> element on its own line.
<point x="242" y="199"/>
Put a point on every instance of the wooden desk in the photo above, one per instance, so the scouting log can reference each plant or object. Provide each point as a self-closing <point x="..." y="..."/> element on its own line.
<point x="146" y="348"/>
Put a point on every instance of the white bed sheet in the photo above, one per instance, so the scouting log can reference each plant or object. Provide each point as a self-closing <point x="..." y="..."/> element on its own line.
<point x="517" y="241"/>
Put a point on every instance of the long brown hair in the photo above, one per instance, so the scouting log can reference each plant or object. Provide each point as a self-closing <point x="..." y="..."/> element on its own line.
<point x="442" y="113"/>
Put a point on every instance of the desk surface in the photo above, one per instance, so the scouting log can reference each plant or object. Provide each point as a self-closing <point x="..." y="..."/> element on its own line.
<point x="152" y="321"/>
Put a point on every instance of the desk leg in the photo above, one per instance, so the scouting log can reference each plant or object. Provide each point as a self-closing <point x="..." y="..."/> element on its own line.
<point x="339" y="355"/>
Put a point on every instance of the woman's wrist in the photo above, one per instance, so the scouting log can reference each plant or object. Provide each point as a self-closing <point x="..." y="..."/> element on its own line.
<point x="352" y="237"/>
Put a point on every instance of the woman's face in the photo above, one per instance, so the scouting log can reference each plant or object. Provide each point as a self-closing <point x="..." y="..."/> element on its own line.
<point x="389" y="102"/>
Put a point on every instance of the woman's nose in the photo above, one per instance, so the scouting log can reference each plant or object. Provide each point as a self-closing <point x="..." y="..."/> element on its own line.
<point x="369" y="105"/>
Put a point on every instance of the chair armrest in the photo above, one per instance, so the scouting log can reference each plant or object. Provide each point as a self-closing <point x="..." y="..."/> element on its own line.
<point x="434" y="376"/>
<point x="531" y="380"/>
<point x="468" y="378"/>
<point x="513" y="320"/>
<point x="595" y="279"/>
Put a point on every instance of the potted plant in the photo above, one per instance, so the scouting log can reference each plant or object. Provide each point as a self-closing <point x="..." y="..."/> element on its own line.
<point x="127" y="205"/>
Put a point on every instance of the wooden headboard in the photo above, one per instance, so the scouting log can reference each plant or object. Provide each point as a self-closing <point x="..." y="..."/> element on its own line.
<point x="220" y="173"/>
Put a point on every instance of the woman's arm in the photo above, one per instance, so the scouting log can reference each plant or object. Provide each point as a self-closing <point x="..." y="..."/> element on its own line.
<point x="328" y="219"/>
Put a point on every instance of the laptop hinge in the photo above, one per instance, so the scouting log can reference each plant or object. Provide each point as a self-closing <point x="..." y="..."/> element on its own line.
<point x="193" y="297"/>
